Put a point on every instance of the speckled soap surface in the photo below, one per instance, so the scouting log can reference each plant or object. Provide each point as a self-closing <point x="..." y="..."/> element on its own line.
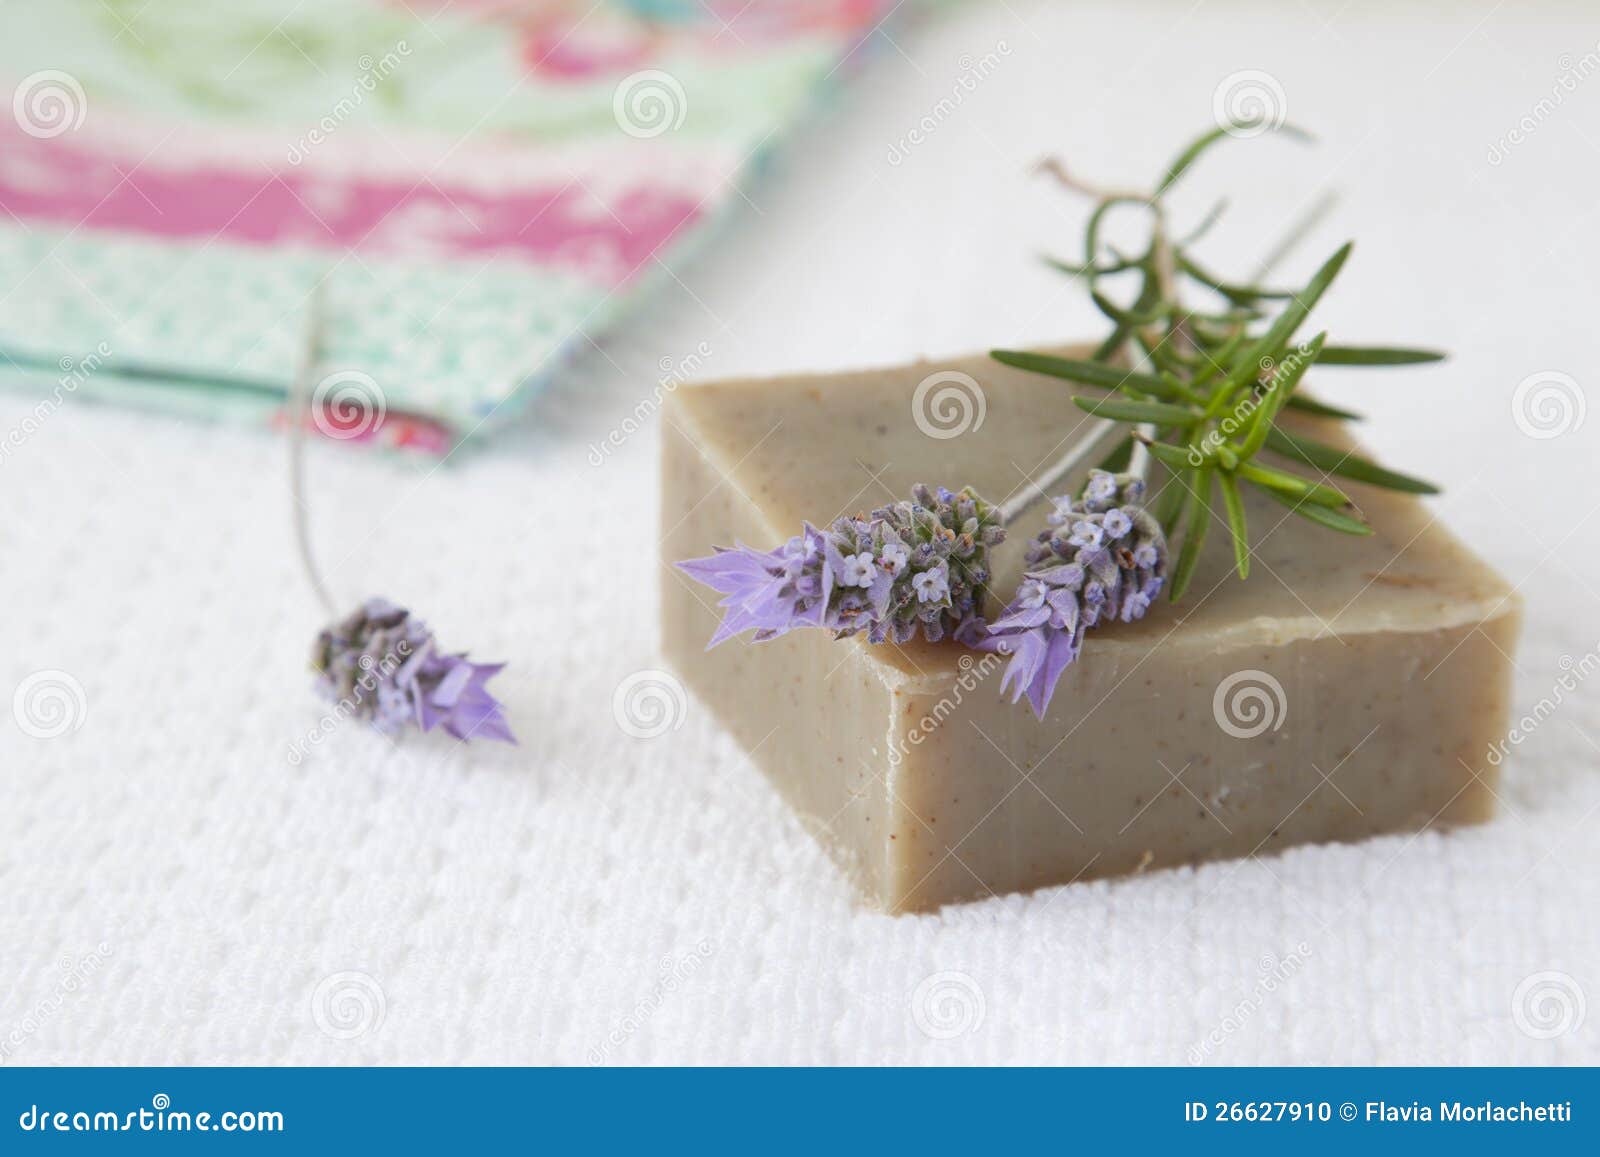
<point x="1349" y="687"/>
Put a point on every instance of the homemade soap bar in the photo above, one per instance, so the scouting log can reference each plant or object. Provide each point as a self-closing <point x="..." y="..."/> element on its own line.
<point x="1350" y="686"/>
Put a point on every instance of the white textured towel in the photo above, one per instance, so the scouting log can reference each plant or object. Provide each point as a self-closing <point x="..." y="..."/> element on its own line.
<point x="174" y="888"/>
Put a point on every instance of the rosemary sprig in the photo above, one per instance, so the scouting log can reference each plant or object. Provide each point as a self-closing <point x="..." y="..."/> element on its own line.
<point x="1212" y="379"/>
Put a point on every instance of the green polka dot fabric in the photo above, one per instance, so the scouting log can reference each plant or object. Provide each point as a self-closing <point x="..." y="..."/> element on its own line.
<point x="479" y="188"/>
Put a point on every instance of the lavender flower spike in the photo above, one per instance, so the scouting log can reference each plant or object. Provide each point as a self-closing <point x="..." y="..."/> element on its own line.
<point x="919" y="565"/>
<point x="381" y="664"/>
<point x="1105" y="560"/>
<point x="770" y="591"/>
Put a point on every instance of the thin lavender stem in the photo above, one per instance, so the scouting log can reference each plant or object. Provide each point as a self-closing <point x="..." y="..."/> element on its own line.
<point x="298" y="408"/>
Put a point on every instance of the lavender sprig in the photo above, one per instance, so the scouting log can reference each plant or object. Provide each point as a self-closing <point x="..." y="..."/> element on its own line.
<point x="382" y="664"/>
<point x="1104" y="560"/>
<point x="915" y="566"/>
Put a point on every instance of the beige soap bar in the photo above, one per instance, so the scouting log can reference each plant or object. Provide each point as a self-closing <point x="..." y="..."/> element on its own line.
<point x="1348" y="687"/>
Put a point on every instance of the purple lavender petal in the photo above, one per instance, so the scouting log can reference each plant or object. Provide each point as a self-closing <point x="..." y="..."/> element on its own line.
<point x="879" y="594"/>
<point x="1060" y="651"/>
<point x="382" y="665"/>
<point x="1027" y="651"/>
<point x="760" y="595"/>
<point x="448" y="690"/>
<point x="477" y="715"/>
<point x="1064" y="610"/>
<point x="1089" y="583"/>
<point x="1022" y="620"/>
<point x="832" y="564"/>
<point x="723" y="566"/>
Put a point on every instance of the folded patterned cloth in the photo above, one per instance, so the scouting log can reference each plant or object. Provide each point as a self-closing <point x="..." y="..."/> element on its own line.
<point x="479" y="184"/>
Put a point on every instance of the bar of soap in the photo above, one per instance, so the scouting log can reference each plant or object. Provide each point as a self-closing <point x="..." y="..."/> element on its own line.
<point x="1350" y="686"/>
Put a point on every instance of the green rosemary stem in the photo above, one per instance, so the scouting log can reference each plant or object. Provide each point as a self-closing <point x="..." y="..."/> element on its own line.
<point x="1209" y="384"/>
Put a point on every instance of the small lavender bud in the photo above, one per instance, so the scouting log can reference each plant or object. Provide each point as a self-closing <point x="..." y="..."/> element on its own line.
<point x="1104" y="561"/>
<point x="381" y="663"/>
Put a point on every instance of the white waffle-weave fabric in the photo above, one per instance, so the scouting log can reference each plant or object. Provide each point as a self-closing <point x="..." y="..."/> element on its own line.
<point x="173" y="889"/>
